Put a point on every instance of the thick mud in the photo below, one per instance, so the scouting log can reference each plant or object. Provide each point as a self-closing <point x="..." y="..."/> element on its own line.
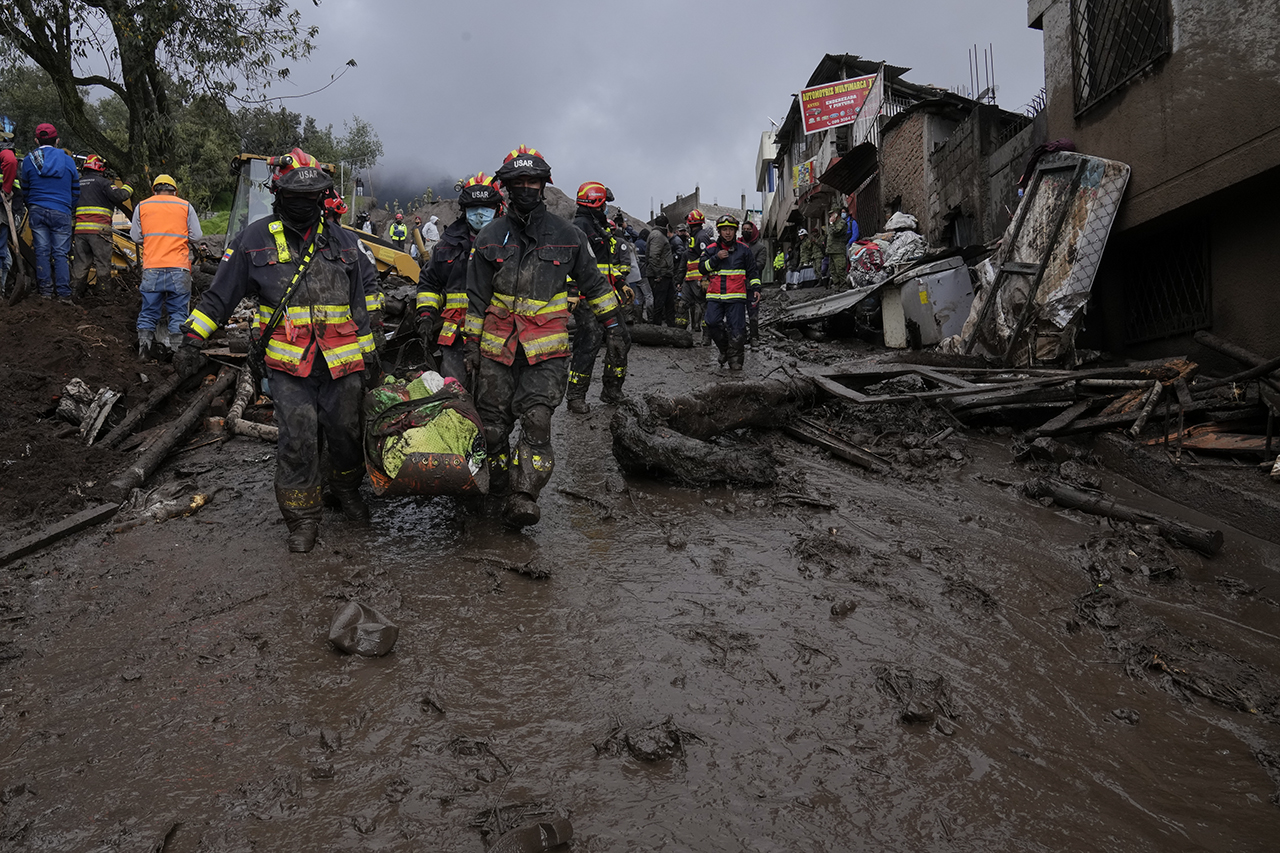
<point x="920" y="660"/>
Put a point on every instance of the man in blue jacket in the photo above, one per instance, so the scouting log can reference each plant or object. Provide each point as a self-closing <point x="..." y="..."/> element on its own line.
<point x="51" y="183"/>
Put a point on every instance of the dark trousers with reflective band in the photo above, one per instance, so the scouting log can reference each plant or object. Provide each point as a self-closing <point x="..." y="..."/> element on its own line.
<point x="588" y="336"/>
<point x="727" y="320"/>
<point x="695" y="301"/>
<point x="664" y="301"/>
<point x="305" y="405"/>
<point x="453" y="363"/>
<point x="529" y="393"/>
<point x="90" y="250"/>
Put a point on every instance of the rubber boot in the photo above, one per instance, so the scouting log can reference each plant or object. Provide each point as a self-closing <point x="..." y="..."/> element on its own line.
<point x="346" y="491"/>
<point x="499" y="486"/>
<point x="753" y="335"/>
<point x="521" y="511"/>
<point x="146" y="344"/>
<point x="576" y="395"/>
<point x="611" y="394"/>
<point x="301" y="509"/>
<point x="737" y="343"/>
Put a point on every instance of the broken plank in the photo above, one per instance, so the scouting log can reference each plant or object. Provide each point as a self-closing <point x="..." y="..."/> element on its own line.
<point x="1063" y="418"/>
<point x="811" y="433"/>
<point x="1219" y="442"/>
<point x="64" y="528"/>
<point x="1123" y="420"/>
<point x="1208" y="542"/>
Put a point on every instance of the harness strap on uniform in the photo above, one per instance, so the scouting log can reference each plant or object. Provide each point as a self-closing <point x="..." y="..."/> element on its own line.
<point x="282" y="248"/>
<point x="277" y="229"/>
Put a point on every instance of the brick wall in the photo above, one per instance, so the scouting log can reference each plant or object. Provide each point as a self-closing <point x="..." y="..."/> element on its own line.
<point x="959" y="189"/>
<point x="902" y="170"/>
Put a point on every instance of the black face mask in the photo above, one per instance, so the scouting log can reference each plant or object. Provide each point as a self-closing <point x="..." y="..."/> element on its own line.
<point x="297" y="211"/>
<point x="525" y="199"/>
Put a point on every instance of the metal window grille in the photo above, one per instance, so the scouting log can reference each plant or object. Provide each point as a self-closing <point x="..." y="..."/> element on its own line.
<point x="1166" y="283"/>
<point x="1114" y="41"/>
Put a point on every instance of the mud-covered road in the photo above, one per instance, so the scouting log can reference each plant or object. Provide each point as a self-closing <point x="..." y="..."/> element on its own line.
<point x="922" y="660"/>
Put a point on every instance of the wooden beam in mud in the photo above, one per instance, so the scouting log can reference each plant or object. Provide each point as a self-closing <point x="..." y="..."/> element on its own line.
<point x="1208" y="542"/>
<point x="66" y="527"/>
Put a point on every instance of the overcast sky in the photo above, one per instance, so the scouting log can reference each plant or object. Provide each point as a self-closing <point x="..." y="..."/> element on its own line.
<point x="650" y="98"/>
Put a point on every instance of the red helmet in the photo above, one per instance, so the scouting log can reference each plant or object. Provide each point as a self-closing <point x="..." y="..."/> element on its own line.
<point x="334" y="204"/>
<point x="313" y="181"/>
<point x="695" y="217"/>
<point x="612" y="225"/>
<point x="524" y="162"/>
<point x="479" y="191"/>
<point x="399" y="217"/>
<point x="592" y="194"/>
<point x="96" y="163"/>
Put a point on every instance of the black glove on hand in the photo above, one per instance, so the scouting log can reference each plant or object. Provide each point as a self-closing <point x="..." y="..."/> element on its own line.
<point x="189" y="359"/>
<point x="372" y="373"/>
<point x="471" y="355"/>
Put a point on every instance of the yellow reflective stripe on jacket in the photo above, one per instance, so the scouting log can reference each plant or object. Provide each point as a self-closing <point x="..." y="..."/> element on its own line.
<point x="366" y="343"/>
<point x="455" y="300"/>
<point x="308" y="315"/>
<point x="554" y="343"/>
<point x="528" y="307"/>
<point x="284" y="352"/>
<point x="431" y="300"/>
<point x="472" y="326"/>
<point x="372" y="302"/>
<point x="282" y="247"/>
<point x="202" y="324"/>
<point x="604" y="303"/>
<point x="711" y="294"/>
<point x="345" y="354"/>
<point x="87" y="210"/>
<point x="491" y="343"/>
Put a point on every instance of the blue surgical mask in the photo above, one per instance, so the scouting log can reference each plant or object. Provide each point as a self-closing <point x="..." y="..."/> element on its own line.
<point x="479" y="217"/>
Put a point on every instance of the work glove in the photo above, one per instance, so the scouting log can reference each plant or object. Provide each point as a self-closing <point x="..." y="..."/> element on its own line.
<point x="371" y="376"/>
<point x="573" y="303"/>
<point x="471" y="355"/>
<point x="189" y="359"/>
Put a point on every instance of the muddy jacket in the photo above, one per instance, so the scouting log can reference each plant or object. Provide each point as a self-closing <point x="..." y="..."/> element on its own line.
<point x="609" y="255"/>
<point x="733" y="277"/>
<point x="326" y="311"/>
<point x="697" y="245"/>
<point x="517" y="290"/>
<point x="442" y="286"/>
<point x="98" y="197"/>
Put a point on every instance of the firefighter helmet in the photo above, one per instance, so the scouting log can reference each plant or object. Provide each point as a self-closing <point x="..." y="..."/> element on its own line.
<point x="524" y="162"/>
<point x="695" y="218"/>
<point x="592" y="194"/>
<point x="479" y="191"/>
<point x="612" y="225"/>
<point x="728" y="221"/>
<point x="399" y="217"/>
<point x="297" y="161"/>
<point x="96" y="163"/>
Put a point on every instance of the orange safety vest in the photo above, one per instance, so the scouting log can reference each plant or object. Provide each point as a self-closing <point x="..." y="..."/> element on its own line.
<point x="165" y="236"/>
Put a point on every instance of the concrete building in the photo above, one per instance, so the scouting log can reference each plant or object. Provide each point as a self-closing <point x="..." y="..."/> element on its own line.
<point x="1187" y="92"/>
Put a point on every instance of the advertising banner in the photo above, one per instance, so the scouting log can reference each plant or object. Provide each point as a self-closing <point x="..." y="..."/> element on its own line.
<point x="833" y="104"/>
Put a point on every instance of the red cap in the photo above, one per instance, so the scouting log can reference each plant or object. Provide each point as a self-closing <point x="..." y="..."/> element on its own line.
<point x="46" y="131"/>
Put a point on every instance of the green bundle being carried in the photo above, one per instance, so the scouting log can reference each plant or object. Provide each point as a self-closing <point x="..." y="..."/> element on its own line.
<point x="423" y="437"/>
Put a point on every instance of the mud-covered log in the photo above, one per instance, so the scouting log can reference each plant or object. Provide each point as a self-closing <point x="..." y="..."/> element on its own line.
<point x="137" y="413"/>
<point x="1208" y="542"/>
<point x="1239" y="353"/>
<point x="718" y="408"/>
<point x="150" y="460"/>
<point x="644" y="445"/>
<point x="660" y="336"/>
<point x="236" y="425"/>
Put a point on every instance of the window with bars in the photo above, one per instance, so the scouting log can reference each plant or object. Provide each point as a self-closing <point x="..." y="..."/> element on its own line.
<point x="1166" y="283"/>
<point x="1114" y="41"/>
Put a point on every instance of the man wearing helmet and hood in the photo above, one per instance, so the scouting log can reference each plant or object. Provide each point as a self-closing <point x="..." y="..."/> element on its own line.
<point x="91" y="234"/>
<point x="732" y="281"/>
<point x="313" y="336"/>
<point x="588" y="334"/>
<point x="694" y="289"/>
<point x="442" y="285"/>
<point x="517" y="332"/>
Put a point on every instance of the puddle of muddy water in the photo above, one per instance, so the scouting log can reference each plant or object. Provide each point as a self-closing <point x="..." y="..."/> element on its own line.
<point x="180" y="674"/>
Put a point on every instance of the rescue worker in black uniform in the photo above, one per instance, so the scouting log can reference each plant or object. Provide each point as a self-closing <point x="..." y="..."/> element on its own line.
<point x="442" y="285"/>
<point x="517" y="332"/>
<point x="588" y="334"/>
<point x="99" y="196"/>
<point x="315" y="357"/>
<point x="751" y="236"/>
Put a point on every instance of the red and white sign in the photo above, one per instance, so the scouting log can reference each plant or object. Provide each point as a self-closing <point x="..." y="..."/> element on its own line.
<point x="834" y="104"/>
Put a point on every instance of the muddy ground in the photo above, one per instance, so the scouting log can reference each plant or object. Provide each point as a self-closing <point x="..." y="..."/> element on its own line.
<point x="920" y="660"/>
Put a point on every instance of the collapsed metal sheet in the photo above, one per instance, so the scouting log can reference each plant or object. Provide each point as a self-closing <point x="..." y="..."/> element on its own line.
<point x="1046" y="263"/>
<point x="827" y="306"/>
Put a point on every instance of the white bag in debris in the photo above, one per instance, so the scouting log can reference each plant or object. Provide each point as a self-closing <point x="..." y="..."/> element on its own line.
<point x="902" y="222"/>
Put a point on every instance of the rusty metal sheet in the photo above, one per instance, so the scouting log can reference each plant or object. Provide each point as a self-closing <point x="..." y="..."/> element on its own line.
<point x="1043" y="272"/>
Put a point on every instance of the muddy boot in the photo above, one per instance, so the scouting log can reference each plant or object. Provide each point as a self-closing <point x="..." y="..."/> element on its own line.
<point x="576" y="395"/>
<point x="352" y="505"/>
<point x="146" y="344"/>
<point x="611" y="394"/>
<point x="521" y="511"/>
<point x="737" y="344"/>
<point x="499" y="487"/>
<point x="753" y="333"/>
<point x="301" y="509"/>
